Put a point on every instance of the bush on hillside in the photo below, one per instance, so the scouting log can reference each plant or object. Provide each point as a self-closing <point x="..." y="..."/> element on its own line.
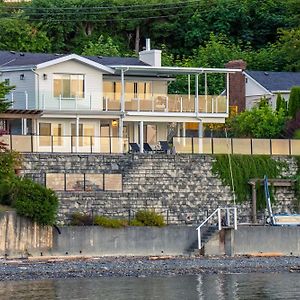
<point x="294" y="101"/>
<point x="150" y="218"/>
<point x="34" y="201"/>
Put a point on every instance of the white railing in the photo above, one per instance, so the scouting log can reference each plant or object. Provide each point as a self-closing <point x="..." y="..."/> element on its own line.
<point x="221" y="223"/>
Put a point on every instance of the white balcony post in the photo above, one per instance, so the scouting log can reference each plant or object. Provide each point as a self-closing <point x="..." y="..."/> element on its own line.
<point x="121" y="134"/>
<point x="197" y="94"/>
<point x="122" y="91"/>
<point x="26" y="100"/>
<point x="219" y="219"/>
<point x="199" y="238"/>
<point x="77" y="133"/>
<point x="90" y="101"/>
<point x="235" y="218"/>
<point x="227" y="93"/>
<point x="142" y="136"/>
<point x="181" y="104"/>
<point x="59" y="102"/>
<point x="12" y="99"/>
<point x="189" y="86"/>
<point x="205" y="91"/>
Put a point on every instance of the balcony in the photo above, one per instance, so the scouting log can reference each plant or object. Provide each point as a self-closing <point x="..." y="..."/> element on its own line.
<point x="170" y="103"/>
<point x="209" y="104"/>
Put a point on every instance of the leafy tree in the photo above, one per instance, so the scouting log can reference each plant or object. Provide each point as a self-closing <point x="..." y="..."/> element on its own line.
<point x="4" y="90"/>
<point x="105" y="47"/>
<point x="19" y="35"/>
<point x="289" y="47"/>
<point x="294" y="101"/>
<point x="281" y="103"/>
<point x="259" y="122"/>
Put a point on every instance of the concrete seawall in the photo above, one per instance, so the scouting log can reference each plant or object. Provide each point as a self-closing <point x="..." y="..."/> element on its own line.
<point x="256" y="240"/>
<point x="95" y="240"/>
<point x="20" y="237"/>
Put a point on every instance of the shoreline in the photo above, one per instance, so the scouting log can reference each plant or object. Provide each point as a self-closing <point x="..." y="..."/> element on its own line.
<point x="95" y="267"/>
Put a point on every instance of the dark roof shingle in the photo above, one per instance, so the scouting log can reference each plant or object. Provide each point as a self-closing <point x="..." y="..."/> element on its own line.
<point x="16" y="59"/>
<point x="276" y="81"/>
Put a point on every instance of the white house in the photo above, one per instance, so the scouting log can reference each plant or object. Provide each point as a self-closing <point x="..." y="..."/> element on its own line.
<point x="66" y="103"/>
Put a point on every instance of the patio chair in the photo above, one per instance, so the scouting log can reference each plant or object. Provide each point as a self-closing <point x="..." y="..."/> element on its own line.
<point x="164" y="146"/>
<point x="147" y="148"/>
<point x="134" y="147"/>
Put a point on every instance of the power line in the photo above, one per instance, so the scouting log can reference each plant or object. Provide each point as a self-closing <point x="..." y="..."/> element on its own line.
<point x="28" y="7"/>
<point x="103" y="20"/>
<point x="104" y="12"/>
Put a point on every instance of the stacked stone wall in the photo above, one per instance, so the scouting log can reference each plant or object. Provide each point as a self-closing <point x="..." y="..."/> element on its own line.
<point x="181" y="187"/>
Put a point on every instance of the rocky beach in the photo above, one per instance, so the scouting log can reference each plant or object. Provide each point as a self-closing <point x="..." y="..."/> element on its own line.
<point x="94" y="267"/>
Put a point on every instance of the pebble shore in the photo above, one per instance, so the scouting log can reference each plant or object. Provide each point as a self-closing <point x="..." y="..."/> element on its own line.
<point x="58" y="268"/>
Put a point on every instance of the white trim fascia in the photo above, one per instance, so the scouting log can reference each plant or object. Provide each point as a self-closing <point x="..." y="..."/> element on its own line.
<point x="249" y="77"/>
<point x="177" y="114"/>
<point x="17" y="68"/>
<point x="175" y="70"/>
<point x="283" y="92"/>
<point x="138" y="78"/>
<point x="78" y="58"/>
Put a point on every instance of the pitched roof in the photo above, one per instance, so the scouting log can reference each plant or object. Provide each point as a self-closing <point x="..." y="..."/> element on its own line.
<point x="17" y="59"/>
<point x="276" y="81"/>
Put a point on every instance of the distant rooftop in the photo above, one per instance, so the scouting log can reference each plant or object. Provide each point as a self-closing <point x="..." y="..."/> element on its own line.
<point x="16" y="59"/>
<point x="276" y="81"/>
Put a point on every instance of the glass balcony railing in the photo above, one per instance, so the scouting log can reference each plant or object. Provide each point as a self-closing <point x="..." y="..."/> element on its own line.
<point x="167" y="103"/>
<point x="242" y="146"/>
<point x="65" y="144"/>
<point x="156" y="103"/>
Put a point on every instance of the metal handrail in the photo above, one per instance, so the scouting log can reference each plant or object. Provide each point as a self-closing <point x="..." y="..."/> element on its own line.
<point x="218" y="210"/>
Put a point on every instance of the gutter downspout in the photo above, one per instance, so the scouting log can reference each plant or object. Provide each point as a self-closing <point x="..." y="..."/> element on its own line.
<point x="38" y="88"/>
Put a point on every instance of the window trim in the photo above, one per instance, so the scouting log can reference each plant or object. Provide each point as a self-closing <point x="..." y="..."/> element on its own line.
<point x="70" y="74"/>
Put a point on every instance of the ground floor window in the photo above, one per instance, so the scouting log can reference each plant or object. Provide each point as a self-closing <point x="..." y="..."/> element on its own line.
<point x="86" y="133"/>
<point x="46" y="130"/>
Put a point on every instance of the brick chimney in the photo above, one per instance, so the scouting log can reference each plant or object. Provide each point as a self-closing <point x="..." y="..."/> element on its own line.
<point x="237" y="85"/>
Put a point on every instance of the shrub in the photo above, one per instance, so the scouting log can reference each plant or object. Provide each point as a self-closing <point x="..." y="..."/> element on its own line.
<point x="259" y="122"/>
<point x="34" y="201"/>
<point x="81" y="219"/>
<point x="149" y="218"/>
<point x="294" y="101"/>
<point x="135" y="222"/>
<point x="109" y="222"/>
<point x="281" y="104"/>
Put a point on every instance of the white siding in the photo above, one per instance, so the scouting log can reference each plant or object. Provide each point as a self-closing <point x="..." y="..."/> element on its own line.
<point x="254" y="92"/>
<point x="93" y="86"/>
<point x="27" y="85"/>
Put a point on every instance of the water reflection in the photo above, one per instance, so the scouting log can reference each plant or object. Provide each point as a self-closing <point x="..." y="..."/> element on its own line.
<point x="216" y="286"/>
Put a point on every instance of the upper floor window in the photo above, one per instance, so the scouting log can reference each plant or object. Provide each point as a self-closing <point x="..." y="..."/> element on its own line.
<point x="69" y="86"/>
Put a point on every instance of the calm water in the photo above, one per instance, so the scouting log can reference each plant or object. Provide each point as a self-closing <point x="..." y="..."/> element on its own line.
<point x="221" y="286"/>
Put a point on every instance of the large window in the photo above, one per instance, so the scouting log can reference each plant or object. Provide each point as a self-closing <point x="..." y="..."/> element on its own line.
<point x="69" y="86"/>
<point x="48" y="129"/>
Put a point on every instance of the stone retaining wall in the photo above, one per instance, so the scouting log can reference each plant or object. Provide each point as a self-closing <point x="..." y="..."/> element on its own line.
<point x="182" y="187"/>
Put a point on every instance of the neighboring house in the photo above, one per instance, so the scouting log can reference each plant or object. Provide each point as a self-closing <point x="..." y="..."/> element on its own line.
<point x="248" y="87"/>
<point x="107" y="101"/>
